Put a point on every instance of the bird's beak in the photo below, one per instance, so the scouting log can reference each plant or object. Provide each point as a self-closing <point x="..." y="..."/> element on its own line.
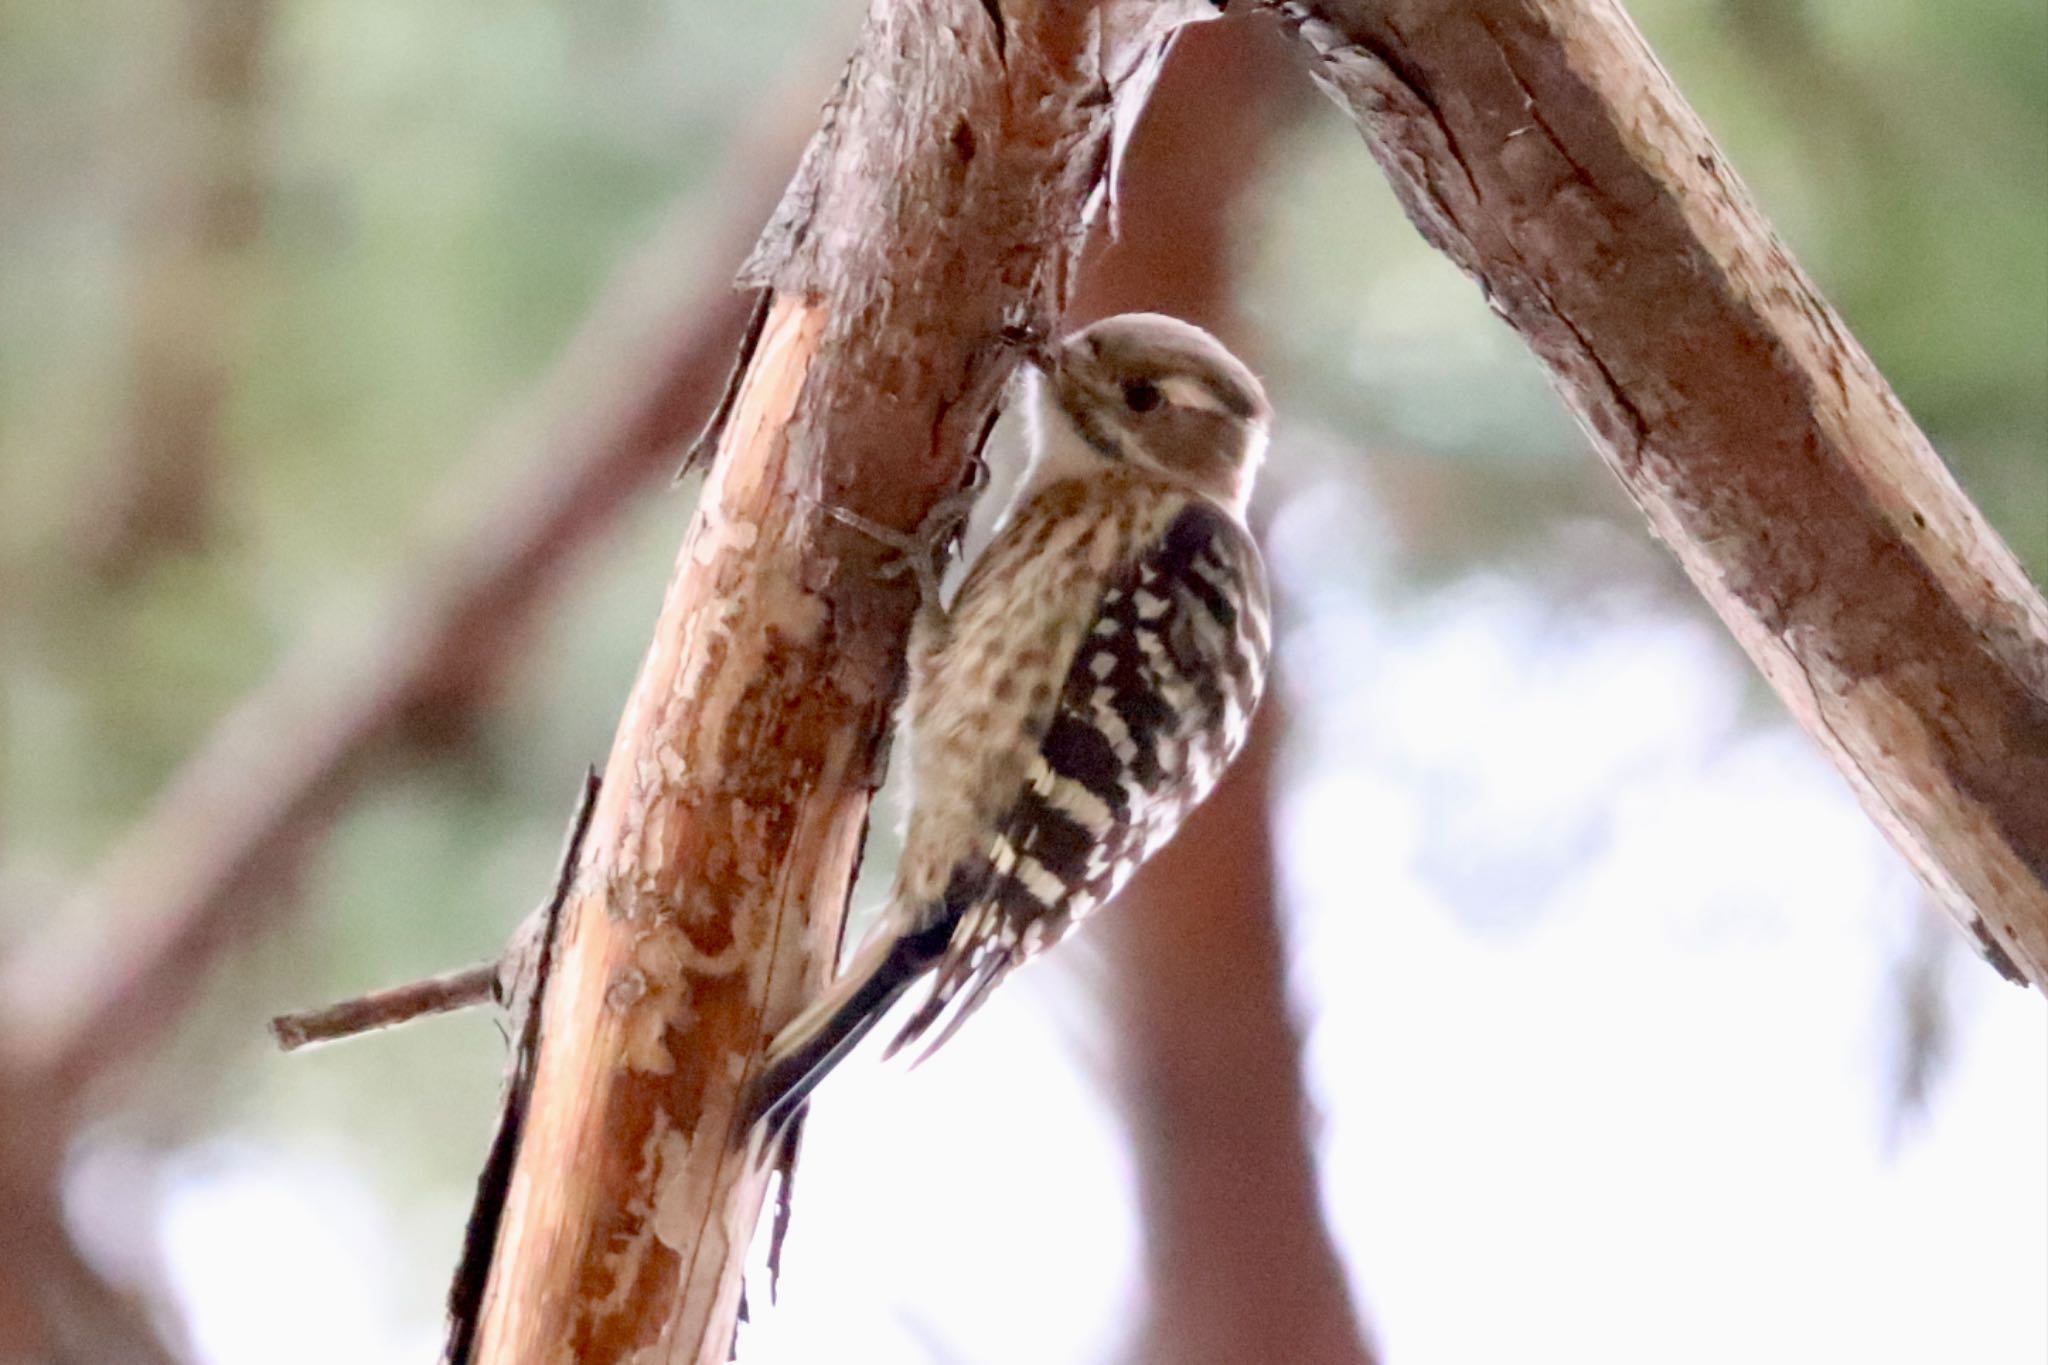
<point x="1035" y="348"/>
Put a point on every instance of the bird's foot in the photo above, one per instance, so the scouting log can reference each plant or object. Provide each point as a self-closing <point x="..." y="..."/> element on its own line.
<point x="918" y="552"/>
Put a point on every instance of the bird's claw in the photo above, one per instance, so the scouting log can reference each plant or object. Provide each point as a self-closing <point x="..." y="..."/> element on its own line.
<point x="1030" y="337"/>
<point x="917" y="552"/>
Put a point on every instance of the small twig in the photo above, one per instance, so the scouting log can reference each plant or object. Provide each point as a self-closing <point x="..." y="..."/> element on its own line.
<point x="194" y="878"/>
<point x="457" y="990"/>
<point x="509" y="979"/>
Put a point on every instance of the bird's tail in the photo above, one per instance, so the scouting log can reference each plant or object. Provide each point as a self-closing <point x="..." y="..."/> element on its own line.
<point x="810" y="1045"/>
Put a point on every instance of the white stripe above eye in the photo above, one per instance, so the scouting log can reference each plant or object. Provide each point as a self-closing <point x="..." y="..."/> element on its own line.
<point x="1185" y="392"/>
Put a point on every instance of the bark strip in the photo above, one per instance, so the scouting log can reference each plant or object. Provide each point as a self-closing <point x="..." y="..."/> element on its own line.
<point x="1539" y="145"/>
<point x="941" y="203"/>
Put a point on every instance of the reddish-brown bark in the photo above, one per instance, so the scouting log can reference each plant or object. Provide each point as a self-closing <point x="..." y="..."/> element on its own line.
<point x="208" y="868"/>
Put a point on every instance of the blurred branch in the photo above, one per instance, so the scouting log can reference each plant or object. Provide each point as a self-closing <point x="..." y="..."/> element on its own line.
<point x="55" y="1307"/>
<point x="938" y="207"/>
<point x="201" y="214"/>
<point x="209" y="865"/>
<point x="1239" y="1262"/>
<point x="1542" y="147"/>
<point x="198" y="873"/>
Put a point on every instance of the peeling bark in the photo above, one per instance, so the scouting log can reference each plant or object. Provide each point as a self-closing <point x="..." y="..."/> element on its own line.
<point x="939" y="206"/>
<point x="1539" y="145"/>
<point x="209" y="867"/>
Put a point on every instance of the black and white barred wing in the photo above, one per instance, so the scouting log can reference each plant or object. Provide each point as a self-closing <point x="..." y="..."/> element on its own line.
<point x="1157" y="701"/>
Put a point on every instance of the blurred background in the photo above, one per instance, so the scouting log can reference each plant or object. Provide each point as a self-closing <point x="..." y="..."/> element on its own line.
<point x="1566" y="1008"/>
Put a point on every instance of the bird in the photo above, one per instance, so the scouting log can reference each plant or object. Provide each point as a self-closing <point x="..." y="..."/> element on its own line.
<point x="1096" y="671"/>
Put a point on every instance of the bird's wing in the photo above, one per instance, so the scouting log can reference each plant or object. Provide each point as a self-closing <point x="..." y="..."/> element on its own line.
<point x="1156" y="699"/>
<point x="1149" y="662"/>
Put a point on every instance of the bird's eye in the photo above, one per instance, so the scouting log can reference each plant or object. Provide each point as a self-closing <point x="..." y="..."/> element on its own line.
<point x="1141" y="395"/>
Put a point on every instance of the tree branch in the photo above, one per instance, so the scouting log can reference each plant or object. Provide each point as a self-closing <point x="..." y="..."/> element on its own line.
<point x="206" y="182"/>
<point x="1539" y="145"/>
<point x="206" y="867"/>
<point x="940" y="203"/>
<point x="512" y="979"/>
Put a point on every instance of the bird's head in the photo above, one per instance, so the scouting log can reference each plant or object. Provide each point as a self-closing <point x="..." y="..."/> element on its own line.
<point x="1152" y="392"/>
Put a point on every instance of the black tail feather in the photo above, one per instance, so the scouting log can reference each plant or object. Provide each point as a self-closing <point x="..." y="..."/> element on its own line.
<point x="805" y="1052"/>
<point x="782" y="1089"/>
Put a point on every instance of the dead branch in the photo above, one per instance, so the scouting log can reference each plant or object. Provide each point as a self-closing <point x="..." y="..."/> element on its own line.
<point x="1539" y="144"/>
<point x="939" y="205"/>
<point x="443" y="994"/>
<point x="512" y="979"/>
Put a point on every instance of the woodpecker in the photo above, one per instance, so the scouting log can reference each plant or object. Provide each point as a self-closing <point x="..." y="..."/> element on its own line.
<point x="1094" y="674"/>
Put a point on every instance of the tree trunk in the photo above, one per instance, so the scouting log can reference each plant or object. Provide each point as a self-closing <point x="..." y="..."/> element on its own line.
<point x="55" y="1308"/>
<point x="1539" y="144"/>
<point x="941" y="203"/>
<point x="1239" y="1262"/>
